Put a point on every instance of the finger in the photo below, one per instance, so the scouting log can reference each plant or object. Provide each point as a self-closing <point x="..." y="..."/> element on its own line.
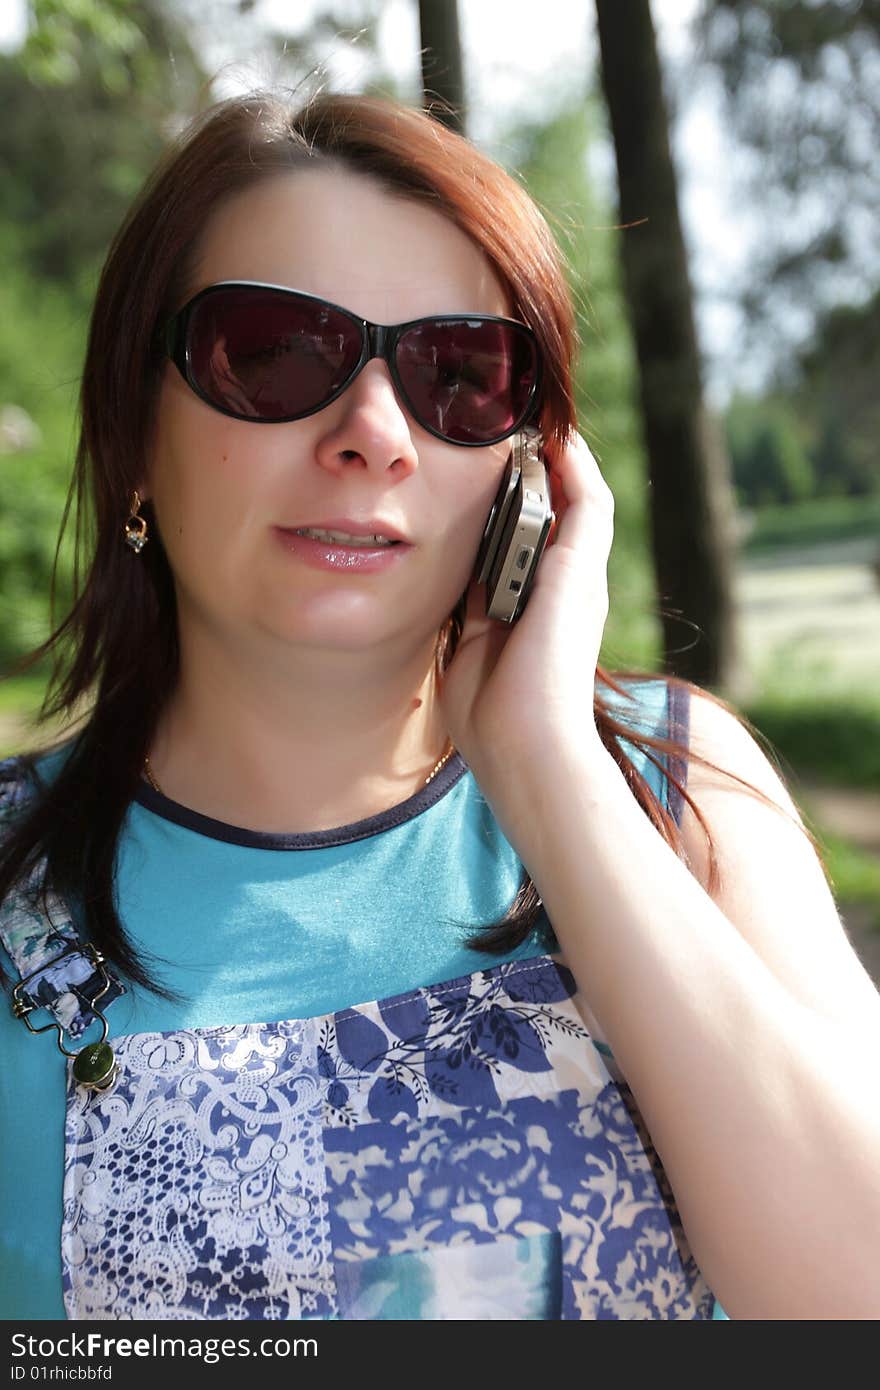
<point x="558" y="502"/>
<point x="579" y="472"/>
<point x="588" y="503"/>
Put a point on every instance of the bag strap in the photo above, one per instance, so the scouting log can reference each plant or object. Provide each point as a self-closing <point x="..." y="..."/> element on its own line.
<point x="59" y="971"/>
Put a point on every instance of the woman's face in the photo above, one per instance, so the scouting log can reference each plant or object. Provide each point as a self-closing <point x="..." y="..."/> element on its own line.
<point x="225" y="491"/>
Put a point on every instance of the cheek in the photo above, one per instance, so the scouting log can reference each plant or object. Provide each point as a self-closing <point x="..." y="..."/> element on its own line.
<point x="474" y="483"/>
<point x="468" y="495"/>
<point x="492" y="473"/>
<point x="203" y="490"/>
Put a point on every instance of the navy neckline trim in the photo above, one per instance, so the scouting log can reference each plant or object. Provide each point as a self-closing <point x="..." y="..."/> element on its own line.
<point x="415" y="805"/>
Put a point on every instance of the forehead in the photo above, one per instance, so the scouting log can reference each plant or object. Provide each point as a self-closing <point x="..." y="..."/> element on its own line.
<point x="343" y="236"/>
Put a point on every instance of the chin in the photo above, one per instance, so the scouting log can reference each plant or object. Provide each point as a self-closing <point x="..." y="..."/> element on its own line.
<point x="353" y="627"/>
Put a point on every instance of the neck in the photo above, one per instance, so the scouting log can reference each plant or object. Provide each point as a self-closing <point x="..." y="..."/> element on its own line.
<point x="297" y="744"/>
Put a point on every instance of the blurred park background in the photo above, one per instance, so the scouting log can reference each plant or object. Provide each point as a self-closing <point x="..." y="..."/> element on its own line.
<point x="708" y="168"/>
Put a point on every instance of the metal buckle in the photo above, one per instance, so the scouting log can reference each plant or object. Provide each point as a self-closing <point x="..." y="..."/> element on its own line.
<point x="94" y="1066"/>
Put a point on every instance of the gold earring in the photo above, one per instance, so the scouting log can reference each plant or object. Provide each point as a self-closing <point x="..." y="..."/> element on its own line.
<point x="136" y="526"/>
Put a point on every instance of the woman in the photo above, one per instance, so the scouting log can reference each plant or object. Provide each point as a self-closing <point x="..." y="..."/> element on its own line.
<point x="314" y="774"/>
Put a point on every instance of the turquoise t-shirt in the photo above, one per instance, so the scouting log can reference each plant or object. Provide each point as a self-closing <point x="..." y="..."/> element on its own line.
<point x="251" y="927"/>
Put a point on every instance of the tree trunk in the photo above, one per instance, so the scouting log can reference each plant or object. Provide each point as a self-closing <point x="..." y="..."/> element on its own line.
<point x="691" y="499"/>
<point x="442" y="75"/>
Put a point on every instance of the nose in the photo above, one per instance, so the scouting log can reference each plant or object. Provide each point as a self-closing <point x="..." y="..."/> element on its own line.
<point x="368" y="427"/>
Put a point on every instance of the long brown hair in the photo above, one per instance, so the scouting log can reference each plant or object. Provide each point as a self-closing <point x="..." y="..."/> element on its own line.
<point x="117" y="646"/>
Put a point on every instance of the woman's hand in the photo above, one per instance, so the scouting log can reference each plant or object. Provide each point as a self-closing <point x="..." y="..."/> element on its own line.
<point x="518" y="692"/>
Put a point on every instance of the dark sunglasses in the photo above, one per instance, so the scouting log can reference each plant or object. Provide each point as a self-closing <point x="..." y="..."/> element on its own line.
<point x="269" y="354"/>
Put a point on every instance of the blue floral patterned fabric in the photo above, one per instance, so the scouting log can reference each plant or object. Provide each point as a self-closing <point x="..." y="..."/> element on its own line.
<point x="457" y="1151"/>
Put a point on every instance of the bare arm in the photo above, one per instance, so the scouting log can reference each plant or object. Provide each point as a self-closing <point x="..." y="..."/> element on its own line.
<point x="747" y="1028"/>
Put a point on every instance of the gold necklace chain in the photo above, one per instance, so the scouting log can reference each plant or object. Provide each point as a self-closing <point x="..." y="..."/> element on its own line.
<point x="441" y="762"/>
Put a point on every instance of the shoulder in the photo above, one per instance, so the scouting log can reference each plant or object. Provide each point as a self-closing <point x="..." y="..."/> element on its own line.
<point x="739" y="789"/>
<point x="773" y="884"/>
<point x="736" y="782"/>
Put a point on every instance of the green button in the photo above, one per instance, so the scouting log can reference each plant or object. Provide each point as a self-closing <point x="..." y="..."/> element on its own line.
<point x="94" y="1065"/>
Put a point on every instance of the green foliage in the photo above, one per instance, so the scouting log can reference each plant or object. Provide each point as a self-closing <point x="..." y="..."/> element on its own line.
<point x="836" y="470"/>
<point x="818" y="436"/>
<point x="63" y="32"/>
<point x="86" y="105"/>
<point x="42" y="338"/>
<point x="767" y="451"/>
<point x="837" y="394"/>
<point x="799" y="79"/>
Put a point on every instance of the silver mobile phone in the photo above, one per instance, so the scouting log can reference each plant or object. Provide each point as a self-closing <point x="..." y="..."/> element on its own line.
<point x="517" y="530"/>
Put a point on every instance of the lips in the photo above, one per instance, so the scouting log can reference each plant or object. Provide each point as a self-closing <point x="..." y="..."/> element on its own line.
<point x="344" y="558"/>
<point x="369" y="527"/>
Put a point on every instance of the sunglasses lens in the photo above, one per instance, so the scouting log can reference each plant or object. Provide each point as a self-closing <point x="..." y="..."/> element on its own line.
<point x="262" y="355"/>
<point x="469" y="380"/>
<point x="265" y="354"/>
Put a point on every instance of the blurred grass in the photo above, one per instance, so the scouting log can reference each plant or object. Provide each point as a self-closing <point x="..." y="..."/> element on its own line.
<point x="819" y="520"/>
<point x="854" y="873"/>
<point x="20" y="696"/>
<point x="822" y="731"/>
<point x="20" y="699"/>
<point x="824" y="737"/>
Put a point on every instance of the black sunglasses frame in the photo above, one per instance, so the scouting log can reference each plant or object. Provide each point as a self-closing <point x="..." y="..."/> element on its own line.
<point x="377" y="340"/>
